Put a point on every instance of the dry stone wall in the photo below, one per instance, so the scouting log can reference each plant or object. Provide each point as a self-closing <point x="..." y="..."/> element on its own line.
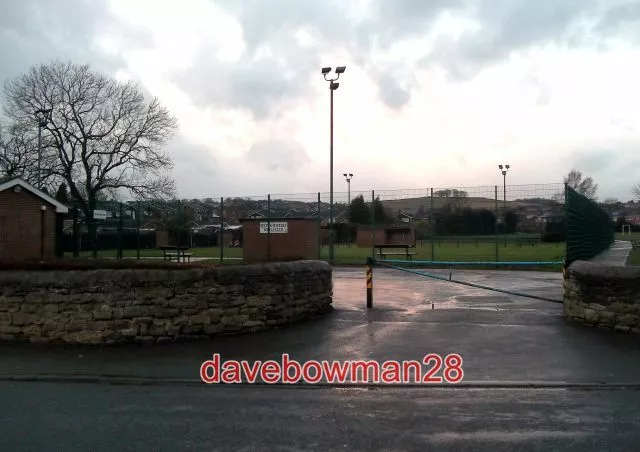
<point x="603" y="296"/>
<point x="159" y="305"/>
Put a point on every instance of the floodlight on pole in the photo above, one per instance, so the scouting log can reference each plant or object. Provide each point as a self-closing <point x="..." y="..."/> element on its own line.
<point x="333" y="85"/>
<point x="503" y="170"/>
<point x="43" y="118"/>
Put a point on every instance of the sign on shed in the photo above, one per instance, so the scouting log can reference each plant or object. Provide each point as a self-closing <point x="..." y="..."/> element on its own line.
<point x="99" y="214"/>
<point x="277" y="227"/>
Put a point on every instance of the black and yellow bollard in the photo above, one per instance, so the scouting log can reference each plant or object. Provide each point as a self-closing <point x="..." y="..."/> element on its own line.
<point x="369" y="271"/>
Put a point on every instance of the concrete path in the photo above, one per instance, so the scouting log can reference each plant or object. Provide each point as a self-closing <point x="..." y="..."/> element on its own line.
<point x="616" y="255"/>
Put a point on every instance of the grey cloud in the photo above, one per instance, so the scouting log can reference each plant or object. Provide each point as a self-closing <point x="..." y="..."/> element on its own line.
<point x="593" y="161"/>
<point x="198" y="167"/>
<point x="510" y="26"/>
<point x="262" y="19"/>
<point x="397" y="19"/>
<point x="33" y="32"/>
<point x="260" y="83"/>
<point x="277" y="155"/>
<point x="391" y="93"/>
<point x="255" y="83"/>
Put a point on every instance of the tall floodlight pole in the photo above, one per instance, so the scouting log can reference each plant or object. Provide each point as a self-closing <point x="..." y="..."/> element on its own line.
<point x="333" y="85"/>
<point x="504" y="170"/>
<point x="42" y="116"/>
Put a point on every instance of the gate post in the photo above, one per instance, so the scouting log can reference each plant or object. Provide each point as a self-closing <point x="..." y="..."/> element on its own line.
<point x="369" y="273"/>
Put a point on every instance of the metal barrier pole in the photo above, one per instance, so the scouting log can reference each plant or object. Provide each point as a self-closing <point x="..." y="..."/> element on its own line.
<point x="369" y="274"/>
<point x="373" y="225"/>
<point x="268" y="227"/>
<point x="319" y="228"/>
<point x="120" y="228"/>
<point x="76" y="233"/>
<point x="138" y="215"/>
<point x="221" y="230"/>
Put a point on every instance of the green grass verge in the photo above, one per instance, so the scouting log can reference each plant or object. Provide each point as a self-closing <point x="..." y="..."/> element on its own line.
<point x="634" y="257"/>
<point x="352" y="255"/>
<point x="633" y="236"/>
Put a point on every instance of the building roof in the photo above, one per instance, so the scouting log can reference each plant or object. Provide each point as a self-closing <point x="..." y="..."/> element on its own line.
<point x="6" y="184"/>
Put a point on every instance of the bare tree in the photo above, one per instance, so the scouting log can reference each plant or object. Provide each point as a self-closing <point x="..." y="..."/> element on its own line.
<point x="19" y="154"/>
<point x="586" y="187"/>
<point x="636" y="192"/>
<point x="105" y="136"/>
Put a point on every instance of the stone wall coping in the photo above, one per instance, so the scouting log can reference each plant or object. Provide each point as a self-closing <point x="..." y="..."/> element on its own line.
<point x="601" y="270"/>
<point x="36" y="278"/>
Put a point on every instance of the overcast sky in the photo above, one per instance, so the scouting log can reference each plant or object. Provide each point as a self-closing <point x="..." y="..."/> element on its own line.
<point x="436" y="93"/>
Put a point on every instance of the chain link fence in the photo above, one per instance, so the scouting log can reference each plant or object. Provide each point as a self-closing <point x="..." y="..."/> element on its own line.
<point x="489" y="223"/>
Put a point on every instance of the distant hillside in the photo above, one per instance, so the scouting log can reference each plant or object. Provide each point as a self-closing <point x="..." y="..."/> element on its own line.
<point x="473" y="202"/>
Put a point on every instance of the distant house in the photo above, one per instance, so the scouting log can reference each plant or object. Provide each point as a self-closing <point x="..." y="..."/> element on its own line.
<point x="255" y="215"/>
<point x="31" y="222"/>
<point x="405" y="218"/>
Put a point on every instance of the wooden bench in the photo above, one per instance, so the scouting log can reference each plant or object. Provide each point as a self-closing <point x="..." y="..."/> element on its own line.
<point x="176" y="252"/>
<point x="530" y="242"/>
<point x="635" y="244"/>
<point x="178" y="256"/>
<point x="405" y="251"/>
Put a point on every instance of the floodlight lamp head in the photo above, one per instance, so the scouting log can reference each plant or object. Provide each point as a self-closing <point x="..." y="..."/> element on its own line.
<point x="326" y="70"/>
<point x="341" y="69"/>
<point x="499" y="166"/>
<point x="344" y="174"/>
<point x="507" y="166"/>
<point x="350" y="175"/>
<point x="504" y="173"/>
<point x="334" y="86"/>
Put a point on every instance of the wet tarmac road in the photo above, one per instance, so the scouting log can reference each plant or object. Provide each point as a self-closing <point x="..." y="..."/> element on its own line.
<point x="502" y="339"/>
<point x="76" y="417"/>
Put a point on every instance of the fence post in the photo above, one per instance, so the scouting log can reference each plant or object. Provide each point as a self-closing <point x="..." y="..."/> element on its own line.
<point x="495" y="224"/>
<point x="221" y="230"/>
<point x="138" y="220"/>
<point x="369" y="274"/>
<point x="373" y="225"/>
<point x="120" y="227"/>
<point x="566" y="229"/>
<point x="268" y="227"/>
<point x="319" y="228"/>
<point x="75" y="233"/>
<point x="431" y="227"/>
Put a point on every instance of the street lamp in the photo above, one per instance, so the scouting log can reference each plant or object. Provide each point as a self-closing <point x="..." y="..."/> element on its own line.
<point x="504" y="170"/>
<point x="43" y="117"/>
<point x="348" y="178"/>
<point x="333" y="85"/>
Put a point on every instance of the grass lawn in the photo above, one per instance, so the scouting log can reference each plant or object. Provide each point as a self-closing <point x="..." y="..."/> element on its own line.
<point x="633" y="236"/>
<point x="443" y="251"/>
<point x="634" y="257"/>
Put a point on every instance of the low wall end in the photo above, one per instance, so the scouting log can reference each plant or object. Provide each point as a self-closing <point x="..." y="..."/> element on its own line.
<point x="604" y="296"/>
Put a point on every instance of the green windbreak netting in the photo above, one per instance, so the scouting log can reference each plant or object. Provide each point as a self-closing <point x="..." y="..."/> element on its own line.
<point x="590" y="230"/>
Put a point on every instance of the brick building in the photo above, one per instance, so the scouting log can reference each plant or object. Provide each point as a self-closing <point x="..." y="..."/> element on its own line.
<point x="290" y="239"/>
<point x="30" y="222"/>
<point x="390" y="235"/>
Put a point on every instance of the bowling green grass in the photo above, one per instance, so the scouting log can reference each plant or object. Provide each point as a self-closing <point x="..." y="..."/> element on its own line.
<point x="352" y="255"/>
